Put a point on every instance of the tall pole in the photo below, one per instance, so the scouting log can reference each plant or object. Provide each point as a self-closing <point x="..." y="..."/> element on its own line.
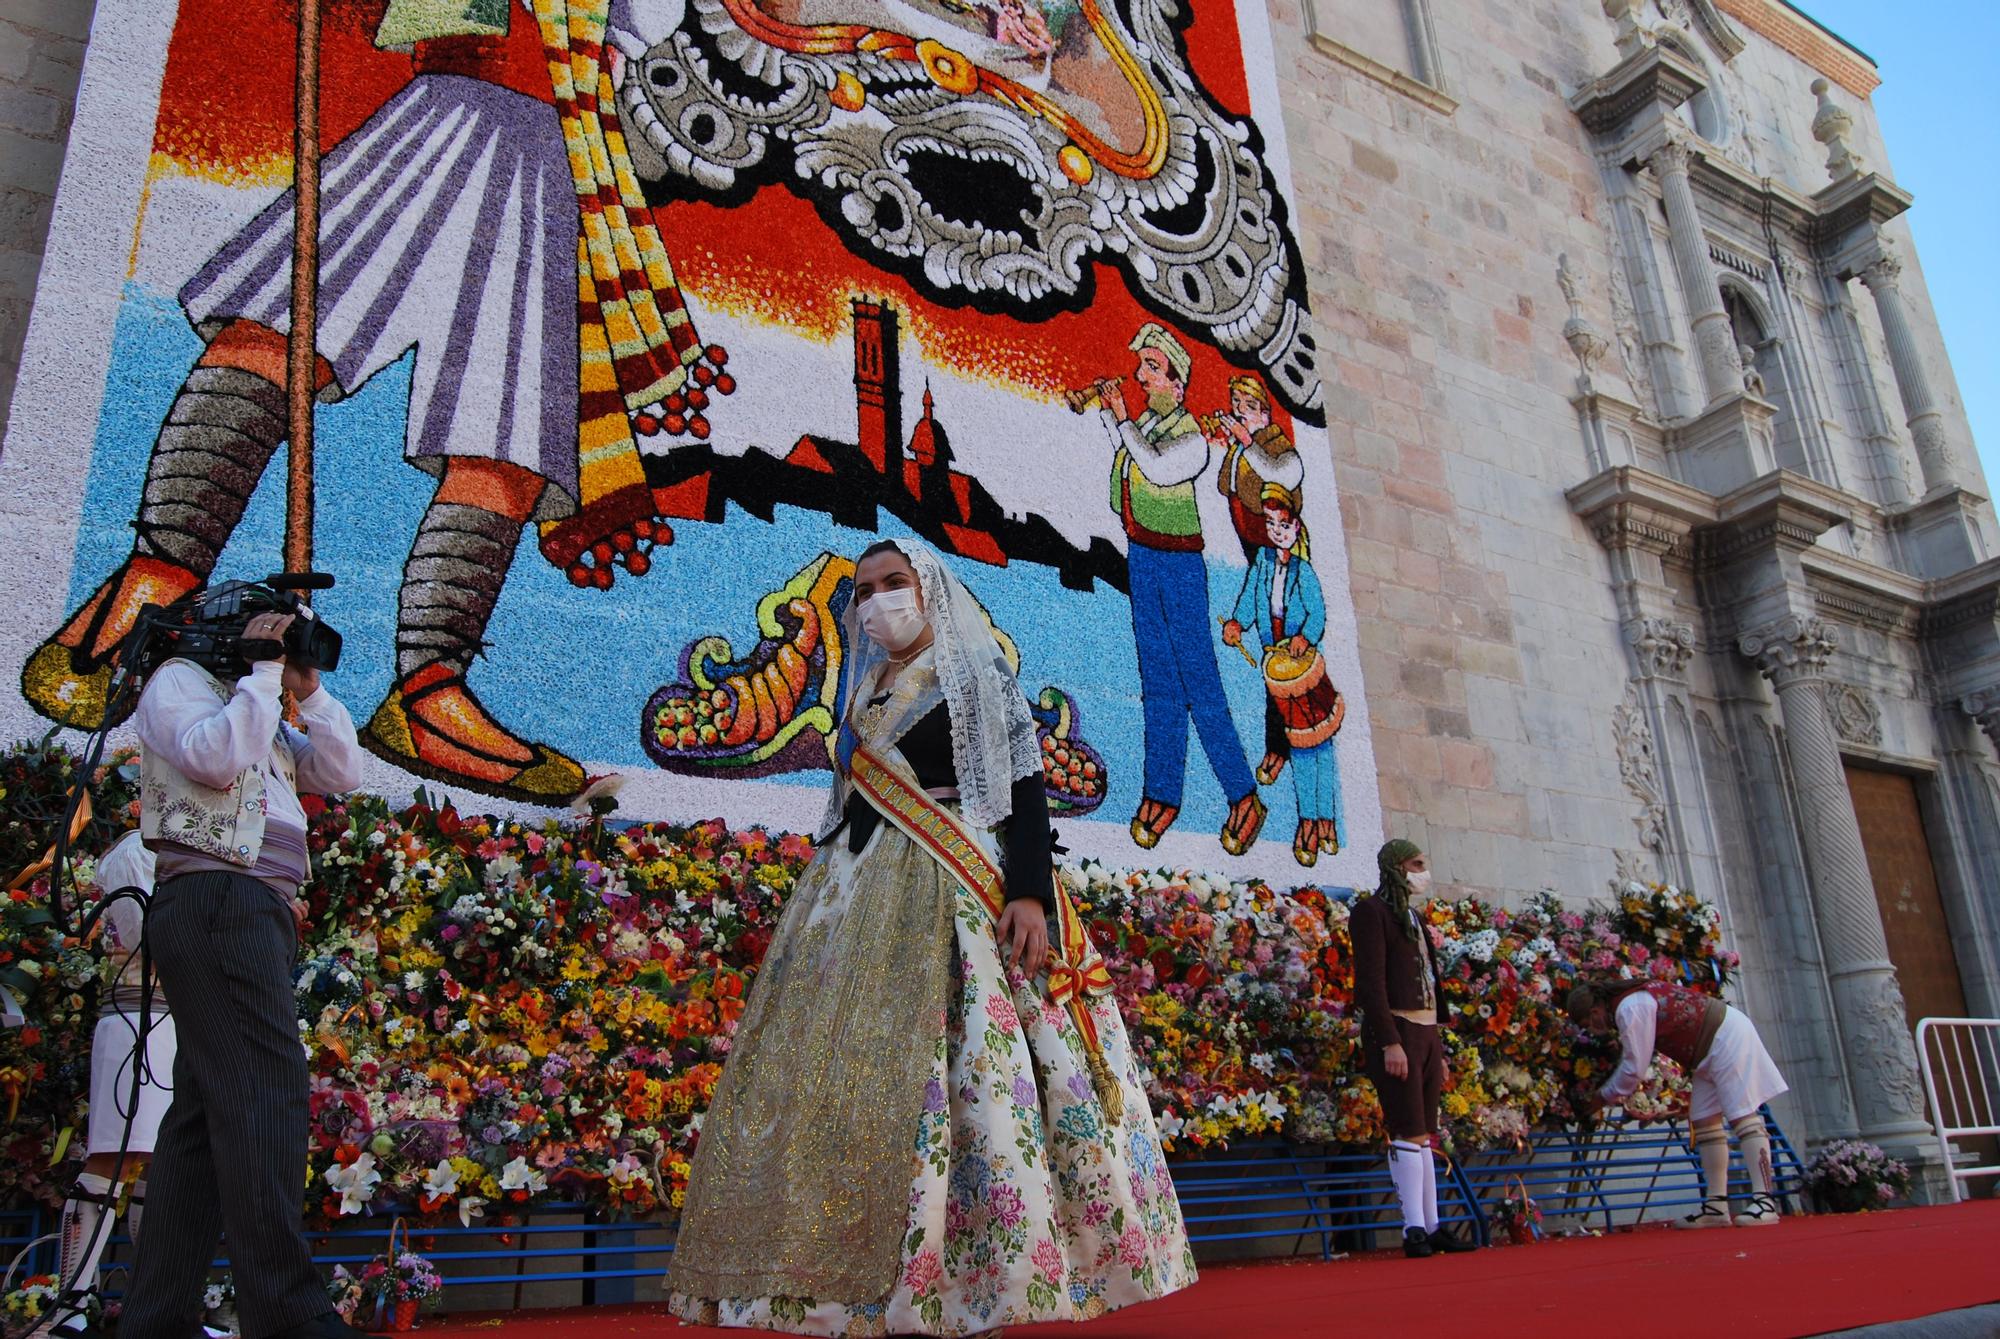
<point x="299" y="347"/>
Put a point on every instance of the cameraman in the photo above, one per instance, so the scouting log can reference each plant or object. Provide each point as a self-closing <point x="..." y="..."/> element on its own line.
<point x="219" y="806"/>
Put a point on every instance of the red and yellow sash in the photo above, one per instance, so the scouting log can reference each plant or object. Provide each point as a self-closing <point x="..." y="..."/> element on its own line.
<point x="1076" y="970"/>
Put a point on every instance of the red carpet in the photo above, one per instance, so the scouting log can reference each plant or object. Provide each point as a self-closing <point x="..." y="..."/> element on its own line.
<point x="1803" y="1277"/>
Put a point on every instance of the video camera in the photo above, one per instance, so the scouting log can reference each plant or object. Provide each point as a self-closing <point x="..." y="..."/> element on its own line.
<point x="207" y="627"/>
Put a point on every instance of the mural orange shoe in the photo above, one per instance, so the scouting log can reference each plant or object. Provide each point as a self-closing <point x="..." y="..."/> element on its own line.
<point x="1305" y="842"/>
<point x="68" y="677"/>
<point x="1152" y="821"/>
<point x="1269" y="770"/>
<point x="1329" y="837"/>
<point x="432" y="725"/>
<point x="1246" y="820"/>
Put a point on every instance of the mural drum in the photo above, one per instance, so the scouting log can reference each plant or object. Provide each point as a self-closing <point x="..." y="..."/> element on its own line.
<point x="637" y="320"/>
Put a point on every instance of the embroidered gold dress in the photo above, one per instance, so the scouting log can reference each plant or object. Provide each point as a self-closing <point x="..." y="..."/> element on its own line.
<point x="904" y="1141"/>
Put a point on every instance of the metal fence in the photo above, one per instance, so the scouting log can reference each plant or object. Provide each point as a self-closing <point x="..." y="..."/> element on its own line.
<point x="1961" y="1063"/>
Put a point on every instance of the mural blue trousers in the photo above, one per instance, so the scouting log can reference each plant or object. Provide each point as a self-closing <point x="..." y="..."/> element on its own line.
<point x="1316" y="781"/>
<point x="1178" y="677"/>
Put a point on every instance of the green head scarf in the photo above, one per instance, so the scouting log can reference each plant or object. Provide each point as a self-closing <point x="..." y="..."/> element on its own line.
<point x="1395" y="889"/>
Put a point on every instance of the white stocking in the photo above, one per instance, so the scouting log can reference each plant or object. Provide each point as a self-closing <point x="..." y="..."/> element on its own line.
<point x="135" y="1209"/>
<point x="1755" y="1141"/>
<point x="84" y="1232"/>
<point x="1711" y="1145"/>
<point x="1406" y="1169"/>
<point x="1430" y="1191"/>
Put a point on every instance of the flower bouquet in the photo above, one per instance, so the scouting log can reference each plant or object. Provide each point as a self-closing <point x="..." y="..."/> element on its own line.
<point x="1517" y="1214"/>
<point x="25" y="1305"/>
<point x="1853" y="1176"/>
<point x="218" y="1302"/>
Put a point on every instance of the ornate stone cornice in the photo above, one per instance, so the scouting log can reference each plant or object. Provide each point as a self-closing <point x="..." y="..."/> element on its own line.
<point x="1629" y="507"/>
<point x="1857" y="205"/>
<point x="1789" y="648"/>
<point x="1781" y="510"/>
<point x="1651" y="77"/>
<point x="1662" y="647"/>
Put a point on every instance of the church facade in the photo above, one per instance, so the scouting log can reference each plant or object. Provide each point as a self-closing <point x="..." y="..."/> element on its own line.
<point x="1668" y="544"/>
<point x="1673" y="557"/>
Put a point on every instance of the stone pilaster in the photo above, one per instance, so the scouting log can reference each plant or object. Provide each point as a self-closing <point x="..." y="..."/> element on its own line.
<point x="1715" y="342"/>
<point x="1880" y="1054"/>
<point x="1934" y="455"/>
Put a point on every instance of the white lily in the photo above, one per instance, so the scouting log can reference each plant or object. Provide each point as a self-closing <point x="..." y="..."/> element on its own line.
<point x="356" y="1183"/>
<point x="442" y="1182"/>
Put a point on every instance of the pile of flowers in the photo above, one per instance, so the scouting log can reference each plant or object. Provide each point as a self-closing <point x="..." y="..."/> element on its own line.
<point x="503" y="1014"/>
<point x="1853" y="1175"/>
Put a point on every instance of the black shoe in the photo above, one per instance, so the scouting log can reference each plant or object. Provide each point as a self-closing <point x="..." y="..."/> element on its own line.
<point x="326" y="1326"/>
<point x="1444" y="1243"/>
<point x="1416" y="1243"/>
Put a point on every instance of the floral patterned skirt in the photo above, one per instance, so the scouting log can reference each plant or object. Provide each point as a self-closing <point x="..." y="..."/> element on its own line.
<point x="1024" y="1206"/>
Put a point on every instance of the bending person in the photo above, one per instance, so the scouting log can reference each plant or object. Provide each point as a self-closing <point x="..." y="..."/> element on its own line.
<point x="1732" y="1075"/>
<point x="1402" y="1053"/>
<point x="921" y="1127"/>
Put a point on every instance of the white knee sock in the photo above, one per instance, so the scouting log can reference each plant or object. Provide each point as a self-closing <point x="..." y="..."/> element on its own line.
<point x="135" y="1209"/>
<point x="1712" y="1147"/>
<point x="1406" y="1169"/>
<point x="1430" y="1190"/>
<point x="83" y="1240"/>
<point x="1755" y="1141"/>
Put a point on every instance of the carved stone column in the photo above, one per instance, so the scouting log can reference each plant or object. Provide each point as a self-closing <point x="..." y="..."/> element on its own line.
<point x="1881" y="1056"/>
<point x="1934" y="454"/>
<point x="1715" y="342"/>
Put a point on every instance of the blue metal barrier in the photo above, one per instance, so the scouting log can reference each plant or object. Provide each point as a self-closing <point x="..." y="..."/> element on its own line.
<point x="1621" y="1168"/>
<point x="1257" y="1191"/>
<point x="1271" y="1189"/>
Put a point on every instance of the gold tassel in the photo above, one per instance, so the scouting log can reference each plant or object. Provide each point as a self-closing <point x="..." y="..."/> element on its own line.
<point x="1109" y="1095"/>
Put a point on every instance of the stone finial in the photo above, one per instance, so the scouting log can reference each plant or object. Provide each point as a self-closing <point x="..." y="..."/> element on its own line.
<point x="1585" y="340"/>
<point x="1789" y="649"/>
<point x="1631" y="37"/>
<point x="1831" y="126"/>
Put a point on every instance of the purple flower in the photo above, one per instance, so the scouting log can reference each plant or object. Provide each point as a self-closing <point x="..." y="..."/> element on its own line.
<point x="1024" y="1091"/>
<point x="1079" y="1085"/>
<point x="449" y="933"/>
<point x="1005" y="1203"/>
<point x="933" y="1096"/>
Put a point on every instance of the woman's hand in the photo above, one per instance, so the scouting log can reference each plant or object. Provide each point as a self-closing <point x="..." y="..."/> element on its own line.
<point x="301" y="680"/>
<point x="1299" y="647"/>
<point x="1396" y="1062"/>
<point x="264" y="636"/>
<point x="1023" y="933"/>
<point x="1232" y="633"/>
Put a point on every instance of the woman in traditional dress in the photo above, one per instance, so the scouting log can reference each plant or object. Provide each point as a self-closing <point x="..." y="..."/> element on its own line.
<point x="931" y="1121"/>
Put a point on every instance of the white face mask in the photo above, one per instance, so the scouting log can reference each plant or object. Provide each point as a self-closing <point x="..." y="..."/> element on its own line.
<point x="891" y="617"/>
<point x="1419" y="880"/>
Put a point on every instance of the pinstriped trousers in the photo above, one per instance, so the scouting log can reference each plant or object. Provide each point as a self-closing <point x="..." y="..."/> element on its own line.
<point x="231" y="1156"/>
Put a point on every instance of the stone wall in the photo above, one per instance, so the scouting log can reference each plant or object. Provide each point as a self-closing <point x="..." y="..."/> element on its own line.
<point x="41" y="62"/>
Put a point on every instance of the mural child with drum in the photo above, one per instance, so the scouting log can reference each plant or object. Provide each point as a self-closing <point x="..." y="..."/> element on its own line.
<point x="1282" y="595"/>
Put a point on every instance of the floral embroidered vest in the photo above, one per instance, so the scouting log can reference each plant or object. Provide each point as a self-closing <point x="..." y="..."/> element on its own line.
<point x="227" y="824"/>
<point x="1685" y="1027"/>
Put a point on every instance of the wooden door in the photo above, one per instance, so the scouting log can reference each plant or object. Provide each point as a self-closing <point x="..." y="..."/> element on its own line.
<point x="1906" y="890"/>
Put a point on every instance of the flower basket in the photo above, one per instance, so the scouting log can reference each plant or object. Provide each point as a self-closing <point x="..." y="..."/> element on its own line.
<point x="403" y="1317"/>
<point x="1517" y="1214"/>
<point x="392" y="1287"/>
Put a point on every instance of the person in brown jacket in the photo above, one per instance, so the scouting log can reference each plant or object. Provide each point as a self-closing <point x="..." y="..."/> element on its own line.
<point x="1395" y="983"/>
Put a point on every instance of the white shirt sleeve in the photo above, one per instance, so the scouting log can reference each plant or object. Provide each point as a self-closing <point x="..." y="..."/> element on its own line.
<point x="329" y="758"/>
<point x="128" y="864"/>
<point x="1172" y="460"/>
<point x="207" y="741"/>
<point x="1638" y="1018"/>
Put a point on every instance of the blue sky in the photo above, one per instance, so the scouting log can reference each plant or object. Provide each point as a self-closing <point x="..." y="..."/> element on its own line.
<point x="1935" y="58"/>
